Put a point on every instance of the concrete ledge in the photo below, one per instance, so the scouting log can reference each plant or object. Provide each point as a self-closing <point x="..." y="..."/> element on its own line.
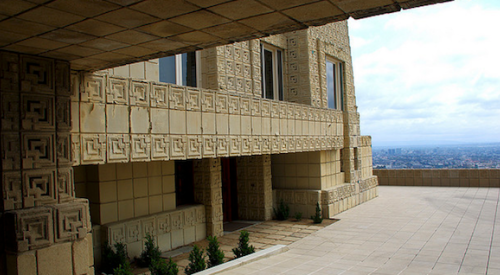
<point x="274" y="250"/>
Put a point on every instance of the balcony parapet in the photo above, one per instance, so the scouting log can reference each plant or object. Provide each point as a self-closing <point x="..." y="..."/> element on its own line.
<point x="439" y="177"/>
<point x="125" y="120"/>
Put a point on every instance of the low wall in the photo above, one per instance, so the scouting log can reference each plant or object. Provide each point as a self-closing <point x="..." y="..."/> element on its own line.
<point x="439" y="177"/>
<point x="333" y="201"/>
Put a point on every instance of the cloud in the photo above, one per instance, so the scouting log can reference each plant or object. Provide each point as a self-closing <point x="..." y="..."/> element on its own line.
<point x="429" y="74"/>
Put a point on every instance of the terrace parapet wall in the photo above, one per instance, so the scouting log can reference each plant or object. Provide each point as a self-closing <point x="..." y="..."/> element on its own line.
<point x="439" y="177"/>
<point x="125" y="120"/>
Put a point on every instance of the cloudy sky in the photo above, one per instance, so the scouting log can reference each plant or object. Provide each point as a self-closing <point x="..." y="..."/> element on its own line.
<point x="429" y="75"/>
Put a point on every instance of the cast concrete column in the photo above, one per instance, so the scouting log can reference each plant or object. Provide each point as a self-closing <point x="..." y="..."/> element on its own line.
<point x="45" y="229"/>
<point x="208" y="191"/>
<point x="255" y="194"/>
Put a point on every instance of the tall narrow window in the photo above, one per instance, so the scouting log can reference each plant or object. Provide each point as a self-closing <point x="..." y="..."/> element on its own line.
<point x="272" y="72"/>
<point x="180" y="69"/>
<point x="335" y="84"/>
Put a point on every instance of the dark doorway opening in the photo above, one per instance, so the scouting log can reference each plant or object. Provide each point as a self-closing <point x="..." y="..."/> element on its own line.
<point x="184" y="184"/>
<point x="229" y="189"/>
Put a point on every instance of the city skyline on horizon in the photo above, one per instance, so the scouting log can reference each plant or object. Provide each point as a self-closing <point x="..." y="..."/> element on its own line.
<point x="417" y="73"/>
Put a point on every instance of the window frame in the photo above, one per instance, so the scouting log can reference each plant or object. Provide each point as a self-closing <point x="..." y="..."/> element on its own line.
<point x="277" y="71"/>
<point x="179" y="68"/>
<point x="339" y="86"/>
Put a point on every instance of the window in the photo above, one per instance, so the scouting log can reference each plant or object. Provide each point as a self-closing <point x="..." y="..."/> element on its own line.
<point x="181" y="69"/>
<point x="335" y="84"/>
<point x="272" y="72"/>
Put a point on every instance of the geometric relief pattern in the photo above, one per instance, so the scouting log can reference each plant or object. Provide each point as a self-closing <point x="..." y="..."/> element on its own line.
<point x="163" y="223"/>
<point x="139" y="94"/>
<point x="38" y="150"/>
<point x="63" y="115"/>
<point x="93" y="149"/>
<point x="39" y="187"/>
<point x="38" y="112"/>
<point x="9" y="72"/>
<point x="29" y="229"/>
<point x="65" y="184"/>
<point x="141" y="148"/>
<point x="133" y="231"/>
<point x="117" y="91"/>
<point x="160" y="147"/>
<point x="71" y="221"/>
<point x="63" y="149"/>
<point x="12" y="191"/>
<point x="159" y="96"/>
<point x="93" y="88"/>
<point x="148" y="226"/>
<point x="9" y="112"/>
<point x="37" y="75"/>
<point x="118" y="148"/>
<point x="11" y="160"/>
<point x="178" y="144"/>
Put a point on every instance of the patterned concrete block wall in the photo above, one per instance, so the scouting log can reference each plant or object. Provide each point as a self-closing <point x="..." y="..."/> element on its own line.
<point x="208" y="191"/>
<point x="121" y="191"/>
<point x="439" y="177"/>
<point x="309" y="170"/>
<point x="365" y="157"/>
<point x="254" y="188"/>
<point x="149" y="70"/>
<point x="40" y="216"/>
<point x="121" y="120"/>
<point x="171" y="229"/>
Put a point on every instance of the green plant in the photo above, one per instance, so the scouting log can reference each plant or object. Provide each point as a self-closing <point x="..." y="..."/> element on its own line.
<point x="151" y="252"/>
<point x="162" y="267"/>
<point x="317" y="218"/>
<point x="243" y="248"/>
<point x="283" y="211"/>
<point x="112" y="259"/>
<point x="196" y="261"/>
<point x="215" y="254"/>
<point x="298" y="216"/>
<point x="123" y="269"/>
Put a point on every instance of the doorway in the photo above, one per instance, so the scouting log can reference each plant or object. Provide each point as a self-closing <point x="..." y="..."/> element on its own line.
<point x="229" y="189"/>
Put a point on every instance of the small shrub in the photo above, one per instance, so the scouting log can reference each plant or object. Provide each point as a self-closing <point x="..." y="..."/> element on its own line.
<point x="123" y="269"/>
<point x="112" y="259"/>
<point x="243" y="248"/>
<point x="317" y="218"/>
<point x="298" y="216"/>
<point x="196" y="261"/>
<point x="215" y="254"/>
<point x="283" y="211"/>
<point x="151" y="252"/>
<point x="162" y="267"/>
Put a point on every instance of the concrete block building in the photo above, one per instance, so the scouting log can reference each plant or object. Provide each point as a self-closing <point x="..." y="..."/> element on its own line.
<point x="126" y="118"/>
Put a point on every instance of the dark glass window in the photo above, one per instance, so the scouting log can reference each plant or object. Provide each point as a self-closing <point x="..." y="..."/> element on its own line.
<point x="272" y="73"/>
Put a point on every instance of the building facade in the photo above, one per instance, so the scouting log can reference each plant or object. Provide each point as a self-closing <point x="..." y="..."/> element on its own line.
<point x="174" y="147"/>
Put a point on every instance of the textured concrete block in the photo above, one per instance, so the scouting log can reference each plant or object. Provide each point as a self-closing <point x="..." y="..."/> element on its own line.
<point x="159" y="121"/>
<point x="24" y="264"/>
<point x="222" y="124"/>
<point x="92" y="118"/>
<point x="155" y="185"/>
<point x="117" y="119"/>
<point x="177" y="122"/>
<point x="107" y="191"/>
<point x="140" y="187"/>
<point x="177" y="238"/>
<point x="164" y="242"/>
<point x="123" y="171"/>
<point x="80" y="249"/>
<point x="108" y="212"/>
<point x="155" y="204"/>
<point x="125" y="209"/>
<point x="140" y="169"/>
<point x="139" y="120"/>
<point x="169" y="202"/>
<point x="141" y="207"/>
<point x="168" y="183"/>
<point x="193" y="123"/>
<point x="55" y="260"/>
<point x="168" y="167"/>
<point x="208" y="123"/>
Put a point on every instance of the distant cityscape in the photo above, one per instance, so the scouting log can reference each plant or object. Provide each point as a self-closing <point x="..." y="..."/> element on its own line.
<point x="446" y="156"/>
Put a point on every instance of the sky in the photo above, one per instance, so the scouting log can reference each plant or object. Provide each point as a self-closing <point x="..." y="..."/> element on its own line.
<point x="429" y="75"/>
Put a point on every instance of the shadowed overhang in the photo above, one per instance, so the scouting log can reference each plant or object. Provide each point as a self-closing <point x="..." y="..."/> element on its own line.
<point x="98" y="34"/>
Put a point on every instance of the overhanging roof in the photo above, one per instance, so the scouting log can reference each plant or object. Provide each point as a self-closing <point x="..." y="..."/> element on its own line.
<point x="98" y="34"/>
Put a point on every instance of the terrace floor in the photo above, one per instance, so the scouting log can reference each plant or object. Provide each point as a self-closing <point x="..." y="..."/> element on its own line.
<point x="406" y="230"/>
